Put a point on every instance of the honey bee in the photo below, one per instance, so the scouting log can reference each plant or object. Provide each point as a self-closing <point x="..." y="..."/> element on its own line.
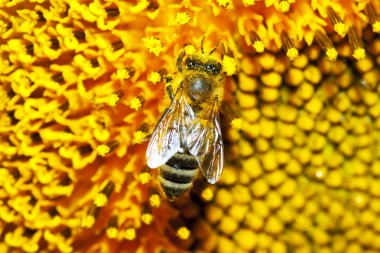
<point x="188" y="135"/>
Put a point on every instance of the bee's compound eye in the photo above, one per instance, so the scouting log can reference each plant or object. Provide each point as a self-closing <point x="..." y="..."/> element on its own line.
<point x="213" y="68"/>
<point x="200" y="88"/>
<point x="192" y="64"/>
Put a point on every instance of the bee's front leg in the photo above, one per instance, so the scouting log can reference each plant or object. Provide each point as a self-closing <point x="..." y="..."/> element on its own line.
<point x="170" y="91"/>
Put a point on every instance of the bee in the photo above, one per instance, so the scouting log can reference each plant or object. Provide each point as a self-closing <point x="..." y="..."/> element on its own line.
<point x="188" y="135"/>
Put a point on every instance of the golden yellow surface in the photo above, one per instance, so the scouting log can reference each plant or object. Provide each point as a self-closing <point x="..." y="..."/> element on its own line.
<point x="82" y="86"/>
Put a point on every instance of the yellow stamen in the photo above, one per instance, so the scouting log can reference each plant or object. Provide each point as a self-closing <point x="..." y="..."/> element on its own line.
<point x="356" y="44"/>
<point x="256" y="42"/>
<point x="107" y="148"/>
<point x="287" y="44"/>
<point x="183" y="233"/>
<point x="147" y="218"/>
<point x="114" y="98"/>
<point x="190" y="49"/>
<point x="140" y="6"/>
<point x="248" y="2"/>
<point x="112" y="230"/>
<point x="154" y="77"/>
<point x="130" y="234"/>
<point x="155" y="200"/>
<point x="182" y="18"/>
<point x="103" y="149"/>
<point x="229" y="65"/>
<point x="326" y="45"/>
<point x="139" y="137"/>
<point x="284" y="6"/>
<point x="224" y="3"/>
<point x="373" y="17"/>
<point x="145" y="176"/>
<point x="154" y="45"/>
<point x="207" y="194"/>
<point x="103" y="196"/>
<point x="228" y="61"/>
<point x="135" y="103"/>
<point x="338" y="24"/>
<point x="89" y="219"/>
<point x="125" y="73"/>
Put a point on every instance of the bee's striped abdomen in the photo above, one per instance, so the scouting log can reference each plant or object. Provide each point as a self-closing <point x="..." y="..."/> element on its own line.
<point x="178" y="174"/>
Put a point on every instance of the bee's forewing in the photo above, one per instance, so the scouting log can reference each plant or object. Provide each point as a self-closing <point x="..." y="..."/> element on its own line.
<point x="206" y="144"/>
<point x="165" y="140"/>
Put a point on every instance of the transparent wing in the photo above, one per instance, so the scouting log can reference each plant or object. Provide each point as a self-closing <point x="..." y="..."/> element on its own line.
<point x="166" y="138"/>
<point x="205" y="142"/>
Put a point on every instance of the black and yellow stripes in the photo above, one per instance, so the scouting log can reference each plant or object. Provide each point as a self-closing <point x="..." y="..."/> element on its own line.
<point x="178" y="174"/>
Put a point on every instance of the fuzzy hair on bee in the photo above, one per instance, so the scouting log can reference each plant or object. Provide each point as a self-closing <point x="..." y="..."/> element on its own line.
<point x="188" y="135"/>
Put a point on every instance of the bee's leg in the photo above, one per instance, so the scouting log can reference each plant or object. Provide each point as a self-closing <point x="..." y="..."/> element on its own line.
<point x="179" y="60"/>
<point x="170" y="91"/>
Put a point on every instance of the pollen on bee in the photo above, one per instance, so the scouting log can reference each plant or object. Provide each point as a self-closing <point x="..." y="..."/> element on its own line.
<point x="89" y="219"/>
<point x="288" y="45"/>
<point x="340" y="27"/>
<point x="373" y="17"/>
<point x="356" y="44"/>
<point x="107" y="148"/>
<point x="256" y="42"/>
<point x="112" y="227"/>
<point x="103" y="196"/>
<point x="326" y="45"/>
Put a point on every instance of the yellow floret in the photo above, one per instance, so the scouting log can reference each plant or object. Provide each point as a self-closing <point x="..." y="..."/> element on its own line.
<point x="341" y="29"/>
<point x="259" y="46"/>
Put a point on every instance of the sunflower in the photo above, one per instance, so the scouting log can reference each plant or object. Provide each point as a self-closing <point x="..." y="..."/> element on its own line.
<point x="82" y="83"/>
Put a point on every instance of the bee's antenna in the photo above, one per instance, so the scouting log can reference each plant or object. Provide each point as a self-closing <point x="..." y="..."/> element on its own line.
<point x="203" y="39"/>
<point x="215" y="48"/>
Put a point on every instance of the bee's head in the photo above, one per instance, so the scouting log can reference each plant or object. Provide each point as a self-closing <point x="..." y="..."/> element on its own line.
<point x="209" y="66"/>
